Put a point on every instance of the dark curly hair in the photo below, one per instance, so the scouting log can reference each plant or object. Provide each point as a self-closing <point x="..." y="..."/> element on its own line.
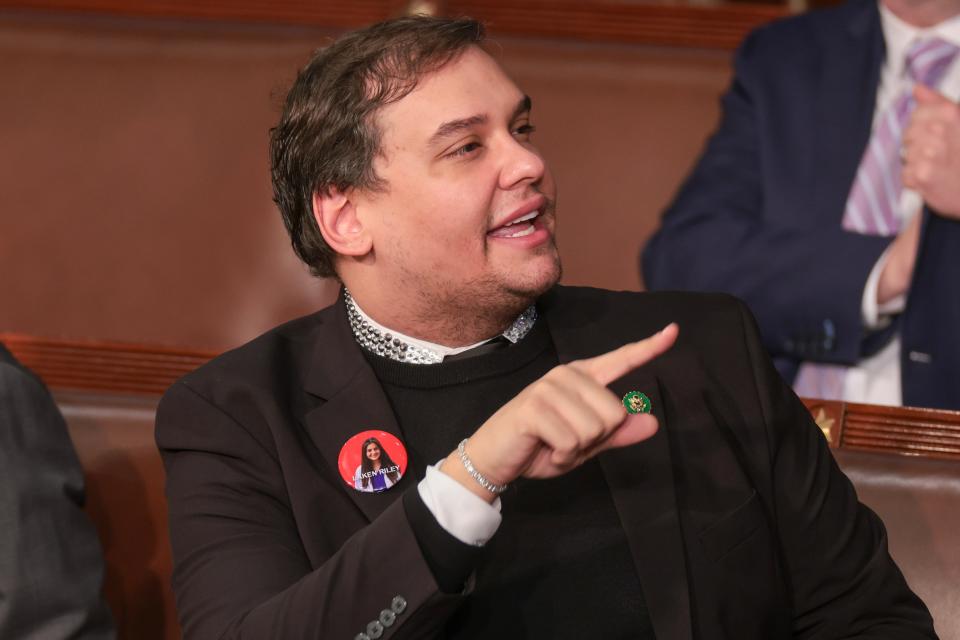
<point x="327" y="136"/>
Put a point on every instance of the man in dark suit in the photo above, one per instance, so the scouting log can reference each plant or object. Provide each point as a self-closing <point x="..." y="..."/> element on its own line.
<point x="827" y="201"/>
<point x="532" y="503"/>
<point x="51" y="567"/>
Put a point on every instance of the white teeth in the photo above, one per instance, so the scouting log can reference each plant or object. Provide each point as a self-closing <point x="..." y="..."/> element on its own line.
<point x="529" y="216"/>
<point x="520" y="234"/>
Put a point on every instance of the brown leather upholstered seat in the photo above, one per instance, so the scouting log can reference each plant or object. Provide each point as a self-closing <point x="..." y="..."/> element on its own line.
<point x="113" y="435"/>
<point x="919" y="501"/>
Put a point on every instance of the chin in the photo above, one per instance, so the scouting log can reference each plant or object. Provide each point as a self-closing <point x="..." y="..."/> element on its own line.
<point x="499" y="295"/>
<point x="528" y="289"/>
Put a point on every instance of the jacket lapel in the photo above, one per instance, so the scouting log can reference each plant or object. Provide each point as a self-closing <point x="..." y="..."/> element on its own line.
<point x="353" y="401"/>
<point x="845" y="105"/>
<point x="641" y="482"/>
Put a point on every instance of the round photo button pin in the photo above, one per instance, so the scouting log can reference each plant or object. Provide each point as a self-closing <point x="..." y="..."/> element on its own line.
<point x="372" y="461"/>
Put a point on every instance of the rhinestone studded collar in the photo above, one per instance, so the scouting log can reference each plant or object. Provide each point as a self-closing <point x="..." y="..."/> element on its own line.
<point x="396" y="348"/>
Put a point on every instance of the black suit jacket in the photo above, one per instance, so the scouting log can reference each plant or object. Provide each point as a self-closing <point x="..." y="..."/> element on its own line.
<point x="760" y="215"/>
<point x="51" y="565"/>
<point x="739" y="522"/>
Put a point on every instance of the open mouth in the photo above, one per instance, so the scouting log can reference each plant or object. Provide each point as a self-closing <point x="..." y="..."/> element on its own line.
<point x="522" y="226"/>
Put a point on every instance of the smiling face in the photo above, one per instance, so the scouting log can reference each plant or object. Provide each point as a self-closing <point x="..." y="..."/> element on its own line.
<point x="465" y="226"/>
<point x="373" y="451"/>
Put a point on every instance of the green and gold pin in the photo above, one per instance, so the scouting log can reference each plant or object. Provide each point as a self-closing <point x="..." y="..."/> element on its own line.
<point x="636" y="402"/>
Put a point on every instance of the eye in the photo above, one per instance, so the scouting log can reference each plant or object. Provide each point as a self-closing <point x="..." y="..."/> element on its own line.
<point x="524" y="131"/>
<point x="465" y="149"/>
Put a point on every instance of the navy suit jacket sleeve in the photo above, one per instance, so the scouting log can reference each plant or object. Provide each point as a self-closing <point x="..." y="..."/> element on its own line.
<point x="754" y="217"/>
<point x="51" y="568"/>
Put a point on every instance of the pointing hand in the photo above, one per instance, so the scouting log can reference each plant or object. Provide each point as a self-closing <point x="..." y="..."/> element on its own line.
<point x="561" y="420"/>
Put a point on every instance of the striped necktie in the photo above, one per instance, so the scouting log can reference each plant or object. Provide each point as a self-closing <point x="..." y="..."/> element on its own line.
<point x="874" y="199"/>
<point x="874" y="202"/>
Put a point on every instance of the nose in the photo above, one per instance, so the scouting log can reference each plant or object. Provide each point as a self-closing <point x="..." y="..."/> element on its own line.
<point x="522" y="163"/>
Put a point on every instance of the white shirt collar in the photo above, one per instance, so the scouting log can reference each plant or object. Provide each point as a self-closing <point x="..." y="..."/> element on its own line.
<point x="899" y="36"/>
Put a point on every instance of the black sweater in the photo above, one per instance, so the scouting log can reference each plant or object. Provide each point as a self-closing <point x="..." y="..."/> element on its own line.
<point x="559" y="566"/>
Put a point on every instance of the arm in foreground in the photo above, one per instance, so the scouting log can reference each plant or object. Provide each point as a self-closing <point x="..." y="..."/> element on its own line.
<point x="843" y="582"/>
<point x="562" y="420"/>
<point x="240" y="568"/>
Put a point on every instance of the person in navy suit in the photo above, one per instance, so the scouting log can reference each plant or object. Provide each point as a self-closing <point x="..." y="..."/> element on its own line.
<point x="863" y="314"/>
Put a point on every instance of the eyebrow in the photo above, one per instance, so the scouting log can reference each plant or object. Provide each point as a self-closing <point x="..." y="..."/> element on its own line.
<point x="456" y="126"/>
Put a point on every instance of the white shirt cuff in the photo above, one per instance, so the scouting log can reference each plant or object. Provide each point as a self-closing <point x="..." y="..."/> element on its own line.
<point x="873" y="315"/>
<point x="465" y="516"/>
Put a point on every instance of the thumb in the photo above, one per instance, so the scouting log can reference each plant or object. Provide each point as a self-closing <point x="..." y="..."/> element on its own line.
<point x="925" y="95"/>
<point x="635" y="428"/>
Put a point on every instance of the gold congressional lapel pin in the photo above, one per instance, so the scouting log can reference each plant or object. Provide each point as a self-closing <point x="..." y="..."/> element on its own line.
<point x="637" y="402"/>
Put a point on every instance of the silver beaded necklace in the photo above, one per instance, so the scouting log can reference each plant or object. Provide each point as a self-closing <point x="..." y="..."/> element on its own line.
<point x="387" y="345"/>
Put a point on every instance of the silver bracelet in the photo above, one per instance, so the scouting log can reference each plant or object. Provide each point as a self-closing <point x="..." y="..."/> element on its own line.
<point x="476" y="475"/>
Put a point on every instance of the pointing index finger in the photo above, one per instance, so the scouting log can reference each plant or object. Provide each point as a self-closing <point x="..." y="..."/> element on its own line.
<point x="609" y="366"/>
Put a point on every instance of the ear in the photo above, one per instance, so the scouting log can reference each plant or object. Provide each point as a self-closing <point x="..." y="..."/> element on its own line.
<point x="341" y="227"/>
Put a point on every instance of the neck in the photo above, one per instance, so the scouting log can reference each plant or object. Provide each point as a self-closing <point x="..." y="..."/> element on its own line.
<point x="923" y="13"/>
